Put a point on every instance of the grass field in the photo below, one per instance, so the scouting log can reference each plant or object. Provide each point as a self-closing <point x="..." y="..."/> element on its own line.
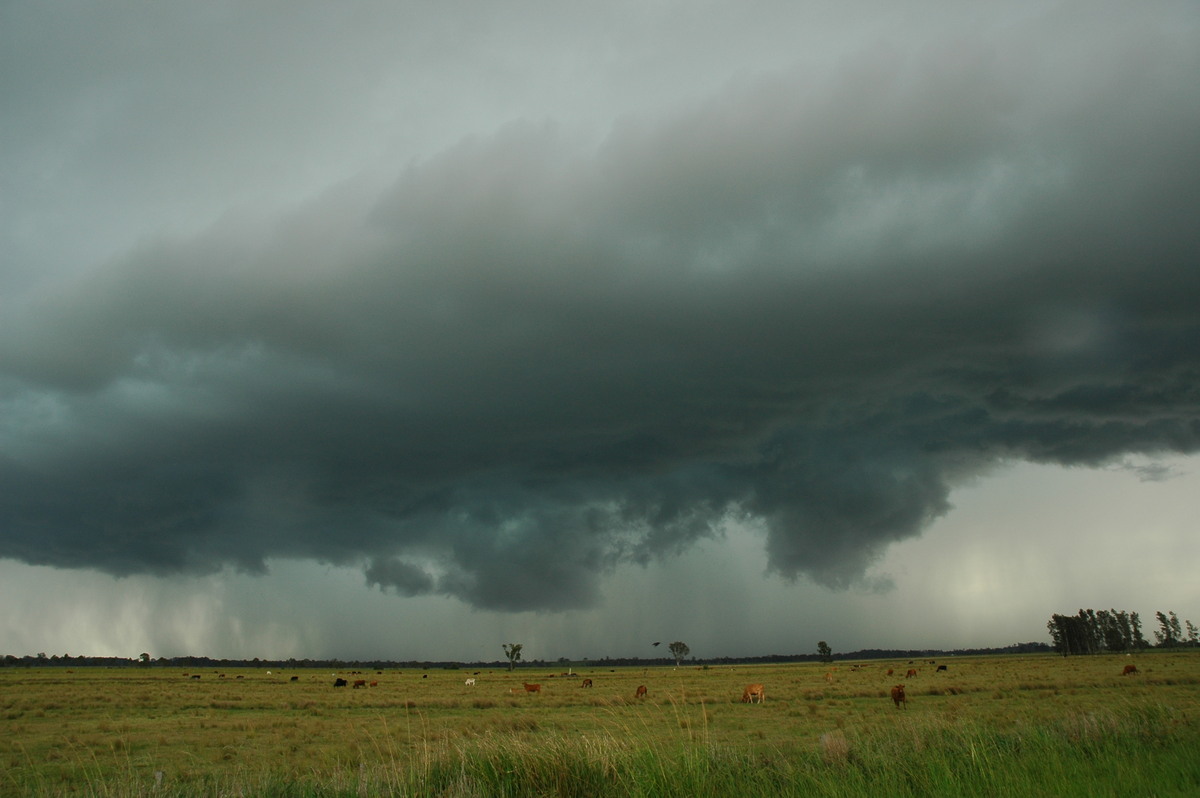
<point x="1010" y="725"/>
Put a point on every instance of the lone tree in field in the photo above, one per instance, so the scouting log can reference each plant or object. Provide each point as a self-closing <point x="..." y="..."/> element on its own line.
<point x="679" y="651"/>
<point x="513" y="652"/>
<point x="825" y="651"/>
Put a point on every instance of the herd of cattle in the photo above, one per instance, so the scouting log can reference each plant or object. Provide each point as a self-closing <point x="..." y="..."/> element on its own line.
<point x="752" y="694"/>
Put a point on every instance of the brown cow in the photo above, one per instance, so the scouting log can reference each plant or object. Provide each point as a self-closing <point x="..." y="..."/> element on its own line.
<point x="533" y="688"/>
<point x="641" y="691"/>
<point x="359" y="683"/>
<point x="889" y="673"/>
<point x="1129" y="669"/>
<point x="899" y="697"/>
<point x="912" y="672"/>
<point x="754" y="694"/>
<point x="829" y="678"/>
<point x="586" y="683"/>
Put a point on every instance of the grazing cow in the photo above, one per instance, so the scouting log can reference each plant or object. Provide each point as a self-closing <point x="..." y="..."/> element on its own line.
<point x="1129" y="669"/>
<point x="912" y="672"/>
<point x="339" y="682"/>
<point x="359" y="683"/>
<point x="940" y="668"/>
<point x="899" y="697"/>
<point x="754" y="694"/>
<point x="829" y="678"/>
<point x="533" y="688"/>
<point x="889" y="673"/>
<point x="374" y="684"/>
<point x="586" y="683"/>
<point x="641" y="691"/>
<point x="470" y="682"/>
<point x="195" y="676"/>
<point x="294" y="679"/>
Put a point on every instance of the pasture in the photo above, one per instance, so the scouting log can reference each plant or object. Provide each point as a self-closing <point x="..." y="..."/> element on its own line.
<point x="1039" y="725"/>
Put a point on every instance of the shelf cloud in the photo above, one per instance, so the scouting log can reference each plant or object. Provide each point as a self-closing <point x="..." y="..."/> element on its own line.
<point x="815" y="296"/>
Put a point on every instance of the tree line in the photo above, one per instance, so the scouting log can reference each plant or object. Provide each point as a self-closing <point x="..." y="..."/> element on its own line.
<point x="1098" y="631"/>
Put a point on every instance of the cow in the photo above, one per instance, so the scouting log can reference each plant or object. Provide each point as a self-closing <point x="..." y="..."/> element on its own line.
<point x="533" y="688"/>
<point x="195" y="676"/>
<point x="294" y="679"/>
<point x="912" y="672"/>
<point x="1129" y="669"/>
<point x="898" y="696"/>
<point x="359" y="683"/>
<point x="641" y="691"/>
<point x="829" y="678"/>
<point x="470" y="682"/>
<point x="374" y="684"/>
<point x="889" y="673"/>
<point x="339" y="682"/>
<point x="754" y="694"/>
<point x="586" y="683"/>
<point x="941" y="668"/>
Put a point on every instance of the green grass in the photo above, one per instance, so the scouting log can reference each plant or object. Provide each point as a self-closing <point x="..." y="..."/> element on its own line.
<point x="989" y="726"/>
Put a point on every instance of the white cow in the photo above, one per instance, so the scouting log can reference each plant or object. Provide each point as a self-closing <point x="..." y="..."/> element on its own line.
<point x="471" y="682"/>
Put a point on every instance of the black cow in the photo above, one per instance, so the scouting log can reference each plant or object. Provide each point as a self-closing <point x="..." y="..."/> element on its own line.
<point x="941" y="667"/>
<point x="339" y="683"/>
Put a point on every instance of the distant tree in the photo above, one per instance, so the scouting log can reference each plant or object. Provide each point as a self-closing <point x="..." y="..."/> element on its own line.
<point x="1110" y="630"/>
<point x="1122" y="621"/>
<point x="144" y="658"/>
<point x="1168" y="633"/>
<point x="679" y="650"/>
<point x="1135" y="622"/>
<point x="825" y="651"/>
<point x="1086" y="632"/>
<point x="1095" y="638"/>
<point x="1071" y="633"/>
<point x="513" y="652"/>
<point x="1193" y="634"/>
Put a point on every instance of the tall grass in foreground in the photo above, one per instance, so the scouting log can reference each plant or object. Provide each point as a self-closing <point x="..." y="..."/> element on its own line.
<point x="1145" y="752"/>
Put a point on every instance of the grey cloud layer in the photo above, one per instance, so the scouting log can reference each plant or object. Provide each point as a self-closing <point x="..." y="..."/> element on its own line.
<point x="814" y="300"/>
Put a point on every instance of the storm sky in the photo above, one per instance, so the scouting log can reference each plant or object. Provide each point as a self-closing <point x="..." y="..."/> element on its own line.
<point x="402" y="330"/>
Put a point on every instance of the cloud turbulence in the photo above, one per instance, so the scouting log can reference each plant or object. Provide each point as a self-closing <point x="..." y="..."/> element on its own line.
<point x="815" y="298"/>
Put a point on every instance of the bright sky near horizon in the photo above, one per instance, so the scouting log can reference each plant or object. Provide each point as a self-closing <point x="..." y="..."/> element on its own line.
<point x="404" y="330"/>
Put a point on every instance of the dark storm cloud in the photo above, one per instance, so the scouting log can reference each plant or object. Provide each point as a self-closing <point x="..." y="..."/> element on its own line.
<point x="816" y="300"/>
